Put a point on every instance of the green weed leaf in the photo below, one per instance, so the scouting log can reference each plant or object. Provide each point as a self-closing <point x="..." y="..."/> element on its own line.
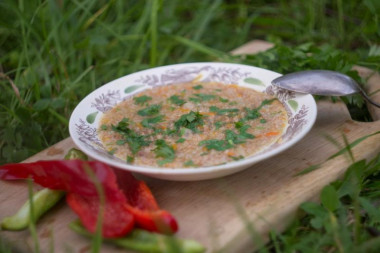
<point x="329" y="198"/>
<point x="42" y="104"/>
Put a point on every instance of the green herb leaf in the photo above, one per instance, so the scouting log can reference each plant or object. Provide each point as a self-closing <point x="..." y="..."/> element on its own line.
<point x="130" y="159"/>
<point x="218" y="124"/>
<point x="134" y="140"/>
<point x="120" y="142"/>
<point x="197" y="87"/>
<point x="201" y="97"/>
<point x="148" y="122"/>
<point x="239" y="124"/>
<point x="191" y="120"/>
<point x="177" y="100"/>
<point x="238" y="138"/>
<point x="181" y="140"/>
<point x="251" y="114"/>
<point x="229" y="111"/>
<point x="218" y="145"/>
<point x="189" y="163"/>
<point x="163" y="150"/>
<point x="112" y="151"/>
<point x="223" y="100"/>
<point x="150" y="110"/>
<point x="237" y="158"/>
<point x="142" y="100"/>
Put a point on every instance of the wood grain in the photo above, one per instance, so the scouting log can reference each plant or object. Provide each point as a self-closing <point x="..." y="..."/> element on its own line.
<point x="234" y="213"/>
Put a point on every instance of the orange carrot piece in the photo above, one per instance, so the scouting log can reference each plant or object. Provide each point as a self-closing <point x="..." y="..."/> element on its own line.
<point x="271" y="133"/>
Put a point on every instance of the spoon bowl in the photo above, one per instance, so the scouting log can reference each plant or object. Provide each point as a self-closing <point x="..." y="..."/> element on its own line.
<point x="321" y="82"/>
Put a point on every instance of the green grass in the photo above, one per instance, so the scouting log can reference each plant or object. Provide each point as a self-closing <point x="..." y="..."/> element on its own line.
<point x="53" y="53"/>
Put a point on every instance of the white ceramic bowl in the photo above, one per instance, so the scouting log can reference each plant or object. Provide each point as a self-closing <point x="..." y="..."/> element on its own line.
<point x="301" y="108"/>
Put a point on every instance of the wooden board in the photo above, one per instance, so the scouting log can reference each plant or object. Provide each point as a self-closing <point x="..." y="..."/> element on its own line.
<point x="228" y="213"/>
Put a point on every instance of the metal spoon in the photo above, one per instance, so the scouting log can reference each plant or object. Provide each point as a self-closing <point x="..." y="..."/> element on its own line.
<point x="321" y="82"/>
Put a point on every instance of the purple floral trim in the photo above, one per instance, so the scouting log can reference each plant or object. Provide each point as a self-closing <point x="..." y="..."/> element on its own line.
<point x="296" y="123"/>
<point x="188" y="74"/>
<point x="87" y="133"/>
<point x="107" y="101"/>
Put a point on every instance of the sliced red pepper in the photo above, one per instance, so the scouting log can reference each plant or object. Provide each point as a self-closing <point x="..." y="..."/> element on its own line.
<point x="73" y="176"/>
<point x="144" y="206"/>
<point x="67" y="175"/>
<point x="134" y="203"/>
<point x="117" y="220"/>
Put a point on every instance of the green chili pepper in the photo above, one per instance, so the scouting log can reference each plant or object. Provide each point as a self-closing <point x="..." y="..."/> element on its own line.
<point x="75" y="154"/>
<point x="144" y="241"/>
<point x="43" y="200"/>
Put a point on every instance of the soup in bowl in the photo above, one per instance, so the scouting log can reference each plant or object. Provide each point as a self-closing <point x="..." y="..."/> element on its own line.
<point x="191" y="121"/>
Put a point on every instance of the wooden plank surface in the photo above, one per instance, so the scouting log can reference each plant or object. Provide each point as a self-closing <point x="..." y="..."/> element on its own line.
<point x="222" y="213"/>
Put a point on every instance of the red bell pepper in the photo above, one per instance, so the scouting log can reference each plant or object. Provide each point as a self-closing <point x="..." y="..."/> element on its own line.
<point x="144" y="207"/>
<point x="121" y="208"/>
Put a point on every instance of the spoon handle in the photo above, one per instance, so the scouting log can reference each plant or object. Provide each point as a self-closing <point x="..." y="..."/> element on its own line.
<point x="362" y="92"/>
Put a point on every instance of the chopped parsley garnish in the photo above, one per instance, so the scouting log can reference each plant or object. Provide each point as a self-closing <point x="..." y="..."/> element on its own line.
<point x="218" y="124"/>
<point x="134" y="140"/>
<point x="234" y="138"/>
<point x="142" y="99"/>
<point x="218" y="145"/>
<point x="148" y="122"/>
<point x="239" y="124"/>
<point x="120" y="142"/>
<point x="251" y="114"/>
<point x="238" y="138"/>
<point x="229" y="111"/>
<point x="197" y="87"/>
<point x="103" y="127"/>
<point x="263" y="121"/>
<point x="236" y="158"/>
<point x="201" y="97"/>
<point x="112" y="151"/>
<point x="130" y="159"/>
<point x="176" y="100"/>
<point x="181" y="140"/>
<point x="231" y="139"/>
<point x="223" y="100"/>
<point x="191" y="120"/>
<point x="267" y="102"/>
<point x="150" y="110"/>
<point x="189" y="163"/>
<point x="163" y="150"/>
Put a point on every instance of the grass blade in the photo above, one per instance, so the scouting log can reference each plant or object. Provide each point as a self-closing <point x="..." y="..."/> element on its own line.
<point x="153" y="33"/>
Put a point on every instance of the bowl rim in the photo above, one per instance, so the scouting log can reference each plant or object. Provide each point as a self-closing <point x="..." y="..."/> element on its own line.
<point x="312" y="115"/>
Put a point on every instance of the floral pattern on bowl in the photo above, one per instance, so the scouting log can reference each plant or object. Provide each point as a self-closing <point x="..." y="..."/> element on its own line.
<point x="301" y="109"/>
